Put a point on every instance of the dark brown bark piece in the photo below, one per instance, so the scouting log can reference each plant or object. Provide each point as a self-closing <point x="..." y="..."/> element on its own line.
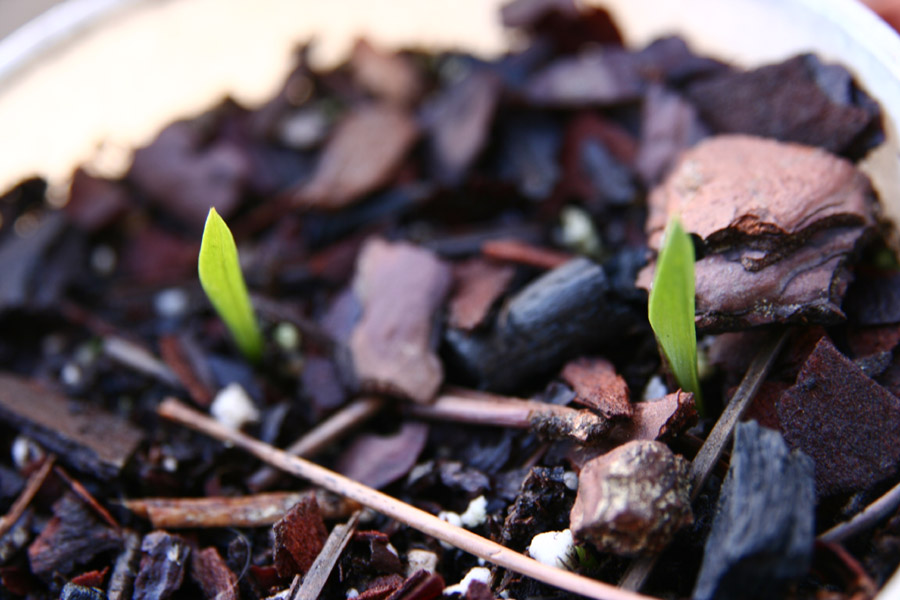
<point x="176" y="356"/>
<point x="805" y="102"/>
<point x="363" y="153"/>
<point x="94" y="202"/>
<point x="121" y="582"/>
<point x="458" y="122"/>
<point x="154" y="257"/>
<point x="669" y="125"/>
<point x="72" y="537"/>
<point x="874" y="298"/>
<point x="378" y="461"/>
<point x="185" y="177"/>
<point x="21" y="259"/>
<point x="421" y="585"/>
<point x="843" y="420"/>
<point x="594" y="77"/>
<point x="479" y="591"/>
<point x="516" y="251"/>
<point x="83" y="436"/>
<point x="477" y="285"/>
<point x="598" y="386"/>
<point x="213" y="576"/>
<point x="542" y="504"/>
<point x="299" y="537"/>
<point x="632" y="500"/>
<point x="401" y="287"/>
<point x="163" y="562"/>
<point x="566" y="312"/>
<point x="368" y="553"/>
<point x="387" y="75"/>
<point x="762" y="535"/>
<point x="805" y="287"/>
<point x="760" y="195"/>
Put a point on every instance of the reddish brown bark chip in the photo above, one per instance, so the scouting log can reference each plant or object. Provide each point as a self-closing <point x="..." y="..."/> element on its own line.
<point x="478" y="284"/>
<point x="299" y="537"/>
<point x="479" y="591"/>
<point x="163" y="561"/>
<point x="421" y="585"/>
<point x="185" y="177"/>
<point x="213" y="575"/>
<point x="91" y="578"/>
<point x="176" y="357"/>
<point x="803" y="103"/>
<point x="632" y="500"/>
<point x="89" y="439"/>
<point x="669" y="126"/>
<point x="598" y="386"/>
<point x="738" y="189"/>
<point x="361" y="156"/>
<point x="593" y="77"/>
<point x="94" y="202"/>
<point x="390" y="76"/>
<point x="400" y="287"/>
<point x="458" y="121"/>
<point x="526" y="254"/>
<point x="378" y="461"/>
<point x="843" y="420"/>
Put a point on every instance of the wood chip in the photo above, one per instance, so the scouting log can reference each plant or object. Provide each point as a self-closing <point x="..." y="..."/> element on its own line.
<point x="299" y="537"/>
<point x="592" y="77"/>
<point x="599" y="387"/>
<point x="163" y="562"/>
<point x="400" y="287"/>
<point x="318" y="573"/>
<point x="392" y="77"/>
<point x="478" y="284"/>
<point x="524" y="253"/>
<point x="87" y="438"/>
<point x="378" y="461"/>
<point x="363" y="153"/>
<point x="843" y="420"/>
<point x="213" y="575"/>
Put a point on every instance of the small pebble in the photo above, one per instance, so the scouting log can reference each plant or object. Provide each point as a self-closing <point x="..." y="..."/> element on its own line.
<point x="171" y="303"/>
<point x="71" y="375"/>
<point x="420" y="560"/>
<point x="287" y="336"/>
<point x="578" y="232"/>
<point x="655" y="388"/>
<point x="233" y="407"/>
<point x="482" y="574"/>
<point x="103" y="260"/>
<point x="570" y="479"/>
<point x="552" y="548"/>
<point x="475" y="513"/>
<point x="25" y="452"/>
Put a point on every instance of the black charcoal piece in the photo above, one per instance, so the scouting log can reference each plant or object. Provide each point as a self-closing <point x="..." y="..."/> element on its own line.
<point x="763" y="532"/>
<point x="567" y="311"/>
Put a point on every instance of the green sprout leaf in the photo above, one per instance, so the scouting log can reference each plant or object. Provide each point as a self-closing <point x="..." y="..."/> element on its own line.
<point x="671" y="308"/>
<point x="221" y="278"/>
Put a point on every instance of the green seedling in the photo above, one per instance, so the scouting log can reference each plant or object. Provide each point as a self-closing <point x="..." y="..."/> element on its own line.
<point x="671" y="308"/>
<point x="221" y="278"/>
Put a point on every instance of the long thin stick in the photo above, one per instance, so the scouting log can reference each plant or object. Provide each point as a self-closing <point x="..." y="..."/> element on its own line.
<point x="715" y="442"/>
<point x="873" y="513"/>
<point x="400" y="511"/>
<point x="31" y="488"/>
<point x="318" y="574"/>
<point x="321" y="436"/>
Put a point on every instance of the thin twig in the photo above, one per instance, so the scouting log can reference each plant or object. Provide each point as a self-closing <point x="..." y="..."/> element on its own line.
<point x="87" y="497"/>
<point x="477" y="408"/>
<point x="321" y="436"/>
<point x="712" y="448"/>
<point x="140" y="359"/>
<point x="866" y="519"/>
<point x="395" y="509"/>
<point x="317" y="576"/>
<point x="31" y="488"/>
<point x="241" y="511"/>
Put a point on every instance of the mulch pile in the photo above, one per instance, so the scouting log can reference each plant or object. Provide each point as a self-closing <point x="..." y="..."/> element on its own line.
<point x="449" y="257"/>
